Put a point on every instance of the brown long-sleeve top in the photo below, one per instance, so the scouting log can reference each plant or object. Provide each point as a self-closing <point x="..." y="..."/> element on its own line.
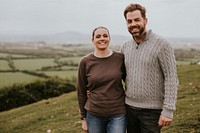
<point x="103" y="77"/>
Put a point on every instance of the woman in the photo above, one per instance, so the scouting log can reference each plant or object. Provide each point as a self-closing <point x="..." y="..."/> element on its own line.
<point x="101" y="72"/>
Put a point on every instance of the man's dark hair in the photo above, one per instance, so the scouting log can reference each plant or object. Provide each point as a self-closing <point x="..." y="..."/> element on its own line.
<point x="133" y="7"/>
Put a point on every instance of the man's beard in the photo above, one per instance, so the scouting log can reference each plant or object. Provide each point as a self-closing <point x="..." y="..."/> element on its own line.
<point x="136" y="34"/>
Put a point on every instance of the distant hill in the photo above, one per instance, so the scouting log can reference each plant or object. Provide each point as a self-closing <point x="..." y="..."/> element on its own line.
<point x="77" y="37"/>
<point x="70" y="37"/>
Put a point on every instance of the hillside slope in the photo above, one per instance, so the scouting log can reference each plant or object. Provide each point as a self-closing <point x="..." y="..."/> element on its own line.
<point x="60" y="115"/>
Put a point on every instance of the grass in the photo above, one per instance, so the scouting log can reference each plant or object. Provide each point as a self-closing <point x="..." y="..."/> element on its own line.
<point x="3" y="55"/>
<point x="33" y="64"/>
<point x="61" y="115"/>
<point x="187" y="115"/>
<point x="62" y="74"/>
<point x="4" y="65"/>
<point x="75" y="59"/>
<point x="10" y="78"/>
<point x="183" y="62"/>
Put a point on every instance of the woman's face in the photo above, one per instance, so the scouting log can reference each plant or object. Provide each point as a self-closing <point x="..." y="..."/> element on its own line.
<point x="101" y="39"/>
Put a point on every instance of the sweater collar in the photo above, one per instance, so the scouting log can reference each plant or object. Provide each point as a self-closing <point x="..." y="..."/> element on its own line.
<point x="148" y="35"/>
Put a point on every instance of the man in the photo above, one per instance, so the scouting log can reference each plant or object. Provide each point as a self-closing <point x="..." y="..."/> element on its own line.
<point x="151" y="82"/>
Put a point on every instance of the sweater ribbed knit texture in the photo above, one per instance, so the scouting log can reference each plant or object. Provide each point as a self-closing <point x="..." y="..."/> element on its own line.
<point x="151" y="81"/>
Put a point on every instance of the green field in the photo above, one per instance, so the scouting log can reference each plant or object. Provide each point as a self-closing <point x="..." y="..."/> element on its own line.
<point x="62" y="74"/>
<point x="9" y="78"/>
<point x="61" y="115"/>
<point x="75" y="59"/>
<point x="183" y="62"/>
<point x="4" y="65"/>
<point x="34" y="62"/>
<point x="186" y="61"/>
<point x="3" y="55"/>
<point x="34" y="65"/>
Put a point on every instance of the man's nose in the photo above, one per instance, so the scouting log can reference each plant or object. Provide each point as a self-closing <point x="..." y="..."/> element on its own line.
<point x="133" y="23"/>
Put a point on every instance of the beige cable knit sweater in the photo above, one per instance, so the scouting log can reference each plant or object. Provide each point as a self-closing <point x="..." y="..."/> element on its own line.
<point x="151" y="81"/>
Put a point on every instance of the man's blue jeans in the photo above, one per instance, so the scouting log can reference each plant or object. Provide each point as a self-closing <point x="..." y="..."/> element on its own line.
<point x="115" y="124"/>
<point x="143" y="120"/>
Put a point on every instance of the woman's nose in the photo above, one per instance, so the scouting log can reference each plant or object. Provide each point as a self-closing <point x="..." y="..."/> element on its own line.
<point x="101" y="38"/>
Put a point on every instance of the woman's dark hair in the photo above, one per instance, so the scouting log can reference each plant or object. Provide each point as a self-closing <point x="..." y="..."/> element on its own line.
<point x="100" y="27"/>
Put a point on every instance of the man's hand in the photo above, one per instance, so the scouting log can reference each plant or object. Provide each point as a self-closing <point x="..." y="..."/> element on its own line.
<point x="164" y="121"/>
<point x="88" y="93"/>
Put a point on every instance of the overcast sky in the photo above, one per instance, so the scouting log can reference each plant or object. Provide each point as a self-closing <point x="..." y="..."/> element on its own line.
<point x="169" y="18"/>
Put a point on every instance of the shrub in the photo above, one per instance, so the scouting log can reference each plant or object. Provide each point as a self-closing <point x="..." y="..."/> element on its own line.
<point x="23" y="94"/>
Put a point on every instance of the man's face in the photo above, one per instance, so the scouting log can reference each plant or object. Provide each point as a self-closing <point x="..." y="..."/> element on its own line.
<point x="136" y="24"/>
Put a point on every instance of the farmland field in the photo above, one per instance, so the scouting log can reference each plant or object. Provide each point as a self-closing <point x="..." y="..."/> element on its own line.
<point x="62" y="74"/>
<point x="33" y="64"/>
<point x="24" y="62"/>
<point x="75" y="59"/>
<point x="9" y="78"/>
<point x="4" y="65"/>
<point x="186" y="61"/>
<point x="3" y="55"/>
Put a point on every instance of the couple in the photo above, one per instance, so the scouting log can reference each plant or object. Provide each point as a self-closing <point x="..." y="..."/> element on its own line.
<point x="146" y="64"/>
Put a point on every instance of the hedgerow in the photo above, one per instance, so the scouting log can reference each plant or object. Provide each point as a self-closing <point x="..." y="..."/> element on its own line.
<point x="23" y="94"/>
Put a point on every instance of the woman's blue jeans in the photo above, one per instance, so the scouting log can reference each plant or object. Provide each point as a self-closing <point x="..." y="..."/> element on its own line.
<point x="115" y="124"/>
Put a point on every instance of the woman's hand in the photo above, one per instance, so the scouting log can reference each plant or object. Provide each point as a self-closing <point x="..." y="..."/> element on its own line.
<point x="84" y="126"/>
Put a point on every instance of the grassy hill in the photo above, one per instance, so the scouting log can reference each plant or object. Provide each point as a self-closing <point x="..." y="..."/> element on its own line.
<point x="60" y="114"/>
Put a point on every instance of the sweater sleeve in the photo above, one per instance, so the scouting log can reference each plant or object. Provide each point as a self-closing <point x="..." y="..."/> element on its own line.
<point x="82" y="88"/>
<point x="168" y="66"/>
